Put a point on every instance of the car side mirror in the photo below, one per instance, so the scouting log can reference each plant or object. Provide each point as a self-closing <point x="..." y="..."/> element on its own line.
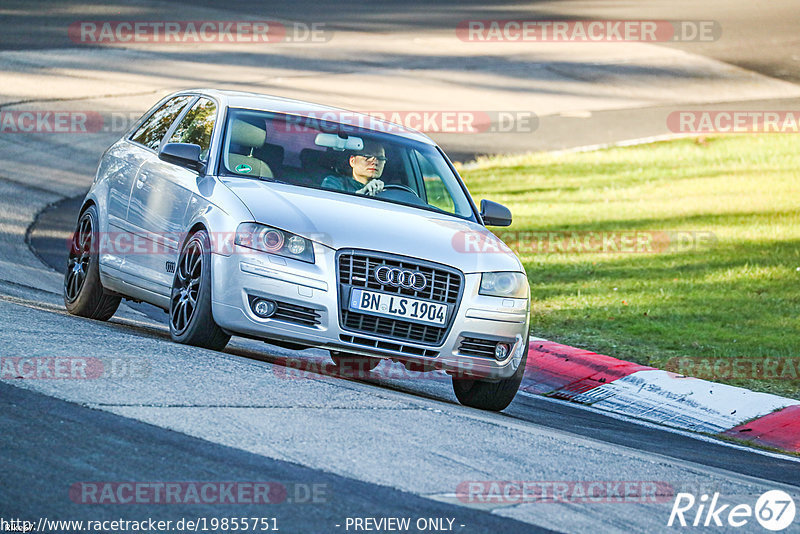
<point x="494" y="214"/>
<point x="183" y="154"/>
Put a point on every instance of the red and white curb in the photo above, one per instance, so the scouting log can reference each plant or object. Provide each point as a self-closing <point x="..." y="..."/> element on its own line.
<point x="662" y="397"/>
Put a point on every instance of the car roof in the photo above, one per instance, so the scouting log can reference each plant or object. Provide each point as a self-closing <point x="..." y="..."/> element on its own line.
<point x="257" y="101"/>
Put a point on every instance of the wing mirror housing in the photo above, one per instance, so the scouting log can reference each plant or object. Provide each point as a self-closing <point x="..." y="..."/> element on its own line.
<point x="494" y="214"/>
<point x="183" y="154"/>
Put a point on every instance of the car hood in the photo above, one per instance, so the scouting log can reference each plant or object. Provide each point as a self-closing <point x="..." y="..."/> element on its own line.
<point x="344" y="221"/>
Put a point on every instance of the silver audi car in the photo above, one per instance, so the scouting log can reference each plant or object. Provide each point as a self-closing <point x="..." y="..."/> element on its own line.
<point x="304" y="226"/>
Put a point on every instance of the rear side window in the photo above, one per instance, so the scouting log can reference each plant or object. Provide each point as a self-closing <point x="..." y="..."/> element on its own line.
<point x="155" y="127"/>
<point x="197" y="126"/>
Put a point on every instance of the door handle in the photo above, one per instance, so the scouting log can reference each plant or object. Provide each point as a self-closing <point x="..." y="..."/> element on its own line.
<point x="140" y="180"/>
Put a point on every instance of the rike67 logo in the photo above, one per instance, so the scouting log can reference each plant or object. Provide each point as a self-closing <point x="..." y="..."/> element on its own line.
<point x="774" y="510"/>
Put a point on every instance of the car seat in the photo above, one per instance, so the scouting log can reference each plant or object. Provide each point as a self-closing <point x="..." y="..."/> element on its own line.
<point x="249" y="137"/>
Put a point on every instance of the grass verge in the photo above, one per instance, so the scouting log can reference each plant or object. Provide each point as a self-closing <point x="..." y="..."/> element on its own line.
<point x="709" y="272"/>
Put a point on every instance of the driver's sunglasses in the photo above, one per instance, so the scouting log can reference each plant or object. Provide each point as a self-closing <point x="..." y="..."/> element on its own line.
<point x="376" y="157"/>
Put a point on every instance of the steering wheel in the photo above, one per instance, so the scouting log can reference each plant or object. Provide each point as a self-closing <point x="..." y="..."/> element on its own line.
<point x="399" y="187"/>
<point x="401" y="193"/>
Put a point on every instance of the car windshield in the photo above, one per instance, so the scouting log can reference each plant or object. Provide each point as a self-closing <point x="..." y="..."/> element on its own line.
<point x="320" y="154"/>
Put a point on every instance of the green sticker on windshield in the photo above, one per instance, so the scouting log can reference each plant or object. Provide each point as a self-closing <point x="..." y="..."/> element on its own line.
<point x="243" y="168"/>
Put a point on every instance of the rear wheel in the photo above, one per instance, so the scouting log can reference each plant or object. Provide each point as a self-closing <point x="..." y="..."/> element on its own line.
<point x="347" y="361"/>
<point x="83" y="293"/>
<point x="190" y="319"/>
<point x="492" y="396"/>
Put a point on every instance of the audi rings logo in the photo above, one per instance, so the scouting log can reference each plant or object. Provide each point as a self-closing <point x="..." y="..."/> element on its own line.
<point x="400" y="278"/>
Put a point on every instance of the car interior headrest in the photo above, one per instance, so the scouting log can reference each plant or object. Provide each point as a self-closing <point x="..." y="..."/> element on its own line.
<point x="246" y="134"/>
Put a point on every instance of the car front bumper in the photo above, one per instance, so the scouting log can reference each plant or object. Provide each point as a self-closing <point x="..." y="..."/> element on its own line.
<point x="311" y="290"/>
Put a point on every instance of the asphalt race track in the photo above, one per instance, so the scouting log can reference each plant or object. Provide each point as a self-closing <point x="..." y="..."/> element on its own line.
<point x="389" y="446"/>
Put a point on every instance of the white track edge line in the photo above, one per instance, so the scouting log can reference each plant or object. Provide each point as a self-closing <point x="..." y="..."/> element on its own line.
<point x="656" y="426"/>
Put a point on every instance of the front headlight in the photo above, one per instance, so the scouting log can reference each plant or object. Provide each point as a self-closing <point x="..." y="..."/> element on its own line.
<point x="274" y="241"/>
<point x="514" y="285"/>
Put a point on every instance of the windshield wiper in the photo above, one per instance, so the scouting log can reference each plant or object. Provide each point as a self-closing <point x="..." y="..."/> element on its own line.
<point x="268" y="179"/>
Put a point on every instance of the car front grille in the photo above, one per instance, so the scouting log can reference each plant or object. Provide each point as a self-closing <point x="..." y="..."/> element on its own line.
<point x="392" y="328"/>
<point x="388" y="345"/>
<point x="443" y="285"/>
<point x="472" y="346"/>
<point x="356" y="270"/>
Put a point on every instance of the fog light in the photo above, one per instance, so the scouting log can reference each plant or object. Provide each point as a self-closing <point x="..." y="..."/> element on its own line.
<point x="501" y="351"/>
<point x="264" y="308"/>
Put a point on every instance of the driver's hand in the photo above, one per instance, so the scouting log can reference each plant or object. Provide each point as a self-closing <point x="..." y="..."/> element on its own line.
<point x="372" y="188"/>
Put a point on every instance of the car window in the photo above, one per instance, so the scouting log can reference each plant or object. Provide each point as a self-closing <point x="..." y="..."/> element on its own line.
<point x="314" y="153"/>
<point x="435" y="188"/>
<point x="196" y="127"/>
<point x="155" y="127"/>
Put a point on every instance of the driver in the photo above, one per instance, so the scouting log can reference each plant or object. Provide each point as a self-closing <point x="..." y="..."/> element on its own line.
<point x="367" y="168"/>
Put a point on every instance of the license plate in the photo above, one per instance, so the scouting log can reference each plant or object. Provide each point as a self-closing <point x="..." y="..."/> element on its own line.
<point x="399" y="307"/>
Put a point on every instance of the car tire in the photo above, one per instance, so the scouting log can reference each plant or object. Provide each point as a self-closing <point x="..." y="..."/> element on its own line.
<point x="348" y="361"/>
<point x="492" y="396"/>
<point x="190" y="318"/>
<point x="84" y="294"/>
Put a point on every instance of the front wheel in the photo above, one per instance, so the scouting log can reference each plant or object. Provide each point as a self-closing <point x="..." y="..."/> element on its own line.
<point x="83" y="293"/>
<point x="190" y="319"/>
<point x="492" y="396"/>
